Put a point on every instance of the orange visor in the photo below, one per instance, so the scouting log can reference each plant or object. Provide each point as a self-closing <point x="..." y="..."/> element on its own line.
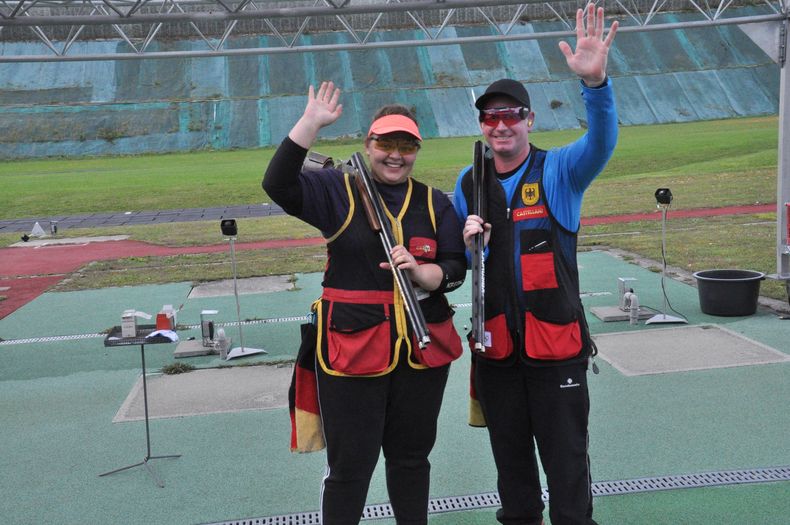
<point x="393" y="123"/>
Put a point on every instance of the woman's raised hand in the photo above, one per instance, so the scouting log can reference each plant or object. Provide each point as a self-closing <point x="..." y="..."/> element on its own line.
<point x="323" y="107"/>
<point x="322" y="110"/>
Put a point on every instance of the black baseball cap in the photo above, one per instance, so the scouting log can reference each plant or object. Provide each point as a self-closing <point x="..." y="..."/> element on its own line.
<point x="504" y="87"/>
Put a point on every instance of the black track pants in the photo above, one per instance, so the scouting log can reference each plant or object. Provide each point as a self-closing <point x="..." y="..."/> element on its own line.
<point x="524" y="405"/>
<point x="395" y="413"/>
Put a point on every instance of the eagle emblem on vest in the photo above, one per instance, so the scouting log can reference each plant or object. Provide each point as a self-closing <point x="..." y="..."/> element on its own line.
<point x="530" y="193"/>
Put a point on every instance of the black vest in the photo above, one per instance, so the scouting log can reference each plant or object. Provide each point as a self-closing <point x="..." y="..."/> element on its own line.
<point x="356" y="250"/>
<point x="532" y="304"/>
<point x="363" y="326"/>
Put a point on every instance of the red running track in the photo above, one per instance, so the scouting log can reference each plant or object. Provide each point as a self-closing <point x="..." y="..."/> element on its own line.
<point x="28" y="271"/>
<point x="683" y="214"/>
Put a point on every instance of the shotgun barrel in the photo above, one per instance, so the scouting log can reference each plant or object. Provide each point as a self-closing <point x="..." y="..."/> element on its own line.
<point x="377" y="218"/>
<point x="478" y="247"/>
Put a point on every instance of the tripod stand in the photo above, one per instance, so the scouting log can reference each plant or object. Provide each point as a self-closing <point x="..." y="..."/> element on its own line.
<point x="141" y="340"/>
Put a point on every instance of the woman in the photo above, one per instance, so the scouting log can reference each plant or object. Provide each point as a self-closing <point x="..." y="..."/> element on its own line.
<point x="377" y="390"/>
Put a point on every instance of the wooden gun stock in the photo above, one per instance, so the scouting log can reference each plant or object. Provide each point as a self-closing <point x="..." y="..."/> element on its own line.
<point x="370" y="211"/>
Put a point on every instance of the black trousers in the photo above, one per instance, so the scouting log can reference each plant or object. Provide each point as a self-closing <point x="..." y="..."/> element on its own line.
<point x="395" y="413"/>
<point x="548" y="406"/>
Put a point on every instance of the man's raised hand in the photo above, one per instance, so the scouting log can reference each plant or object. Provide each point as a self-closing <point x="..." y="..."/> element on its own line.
<point x="589" y="59"/>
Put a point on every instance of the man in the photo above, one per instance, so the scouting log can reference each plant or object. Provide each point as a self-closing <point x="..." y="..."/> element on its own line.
<point x="530" y="379"/>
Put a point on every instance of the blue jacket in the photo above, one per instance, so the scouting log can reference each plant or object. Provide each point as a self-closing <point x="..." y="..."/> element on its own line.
<point x="532" y="305"/>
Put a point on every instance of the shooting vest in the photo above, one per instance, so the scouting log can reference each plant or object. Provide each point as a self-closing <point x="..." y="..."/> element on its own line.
<point x="532" y="304"/>
<point x="363" y="328"/>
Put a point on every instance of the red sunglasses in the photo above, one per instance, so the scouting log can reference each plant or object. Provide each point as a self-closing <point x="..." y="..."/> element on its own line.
<point x="510" y="116"/>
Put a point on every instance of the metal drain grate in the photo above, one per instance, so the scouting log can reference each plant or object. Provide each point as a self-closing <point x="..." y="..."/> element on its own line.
<point x="603" y="488"/>
<point x="706" y="479"/>
<point x="379" y="511"/>
<point x="304" y="518"/>
<point x="54" y="338"/>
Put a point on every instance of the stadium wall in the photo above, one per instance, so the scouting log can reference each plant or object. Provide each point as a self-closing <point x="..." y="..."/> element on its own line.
<point x="163" y="105"/>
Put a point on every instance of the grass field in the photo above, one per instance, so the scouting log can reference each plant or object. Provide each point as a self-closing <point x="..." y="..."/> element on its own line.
<point x="680" y="153"/>
<point x="706" y="164"/>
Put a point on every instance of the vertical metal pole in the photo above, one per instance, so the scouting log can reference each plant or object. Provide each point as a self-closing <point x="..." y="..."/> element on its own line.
<point x="236" y="292"/>
<point x="663" y="317"/>
<point x="664" y="256"/>
<point x="783" y="168"/>
<point x="145" y="404"/>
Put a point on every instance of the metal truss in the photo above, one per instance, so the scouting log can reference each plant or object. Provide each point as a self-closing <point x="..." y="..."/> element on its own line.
<point x="146" y="26"/>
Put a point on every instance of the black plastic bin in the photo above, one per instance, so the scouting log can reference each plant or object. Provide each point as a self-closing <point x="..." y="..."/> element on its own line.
<point x="728" y="292"/>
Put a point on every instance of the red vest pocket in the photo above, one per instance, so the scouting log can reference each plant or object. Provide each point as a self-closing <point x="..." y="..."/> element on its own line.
<point x="358" y="338"/>
<point x="358" y="353"/>
<point x="537" y="272"/>
<point x="550" y="341"/>
<point x="498" y="343"/>
<point x="445" y="345"/>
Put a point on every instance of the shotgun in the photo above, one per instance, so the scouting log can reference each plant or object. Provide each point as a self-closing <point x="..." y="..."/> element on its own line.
<point x="377" y="218"/>
<point x="478" y="246"/>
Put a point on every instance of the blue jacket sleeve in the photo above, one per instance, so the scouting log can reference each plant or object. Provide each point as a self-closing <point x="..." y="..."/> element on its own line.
<point x="459" y="202"/>
<point x="569" y="170"/>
